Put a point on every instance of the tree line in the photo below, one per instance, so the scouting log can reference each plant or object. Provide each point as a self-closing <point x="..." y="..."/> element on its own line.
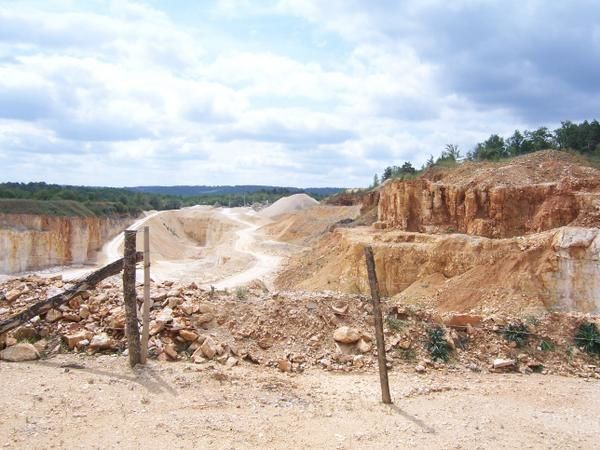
<point x="43" y="198"/>
<point x="582" y="137"/>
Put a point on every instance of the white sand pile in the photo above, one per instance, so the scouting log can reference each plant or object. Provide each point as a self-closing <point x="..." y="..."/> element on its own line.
<point x="289" y="204"/>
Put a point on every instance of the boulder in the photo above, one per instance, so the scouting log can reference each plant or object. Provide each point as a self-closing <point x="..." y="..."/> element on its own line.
<point x="73" y="339"/>
<point x="171" y="352"/>
<point x="188" y="335"/>
<point x="209" y="348"/>
<point x="284" y="365"/>
<point x="53" y="315"/>
<point x="364" y="346"/>
<point x="13" y="295"/>
<point x="500" y="363"/>
<point x="101" y="342"/>
<point x="20" y="352"/>
<point x="346" y="335"/>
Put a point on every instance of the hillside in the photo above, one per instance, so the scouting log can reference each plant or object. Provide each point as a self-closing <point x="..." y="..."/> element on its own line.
<point x="488" y="237"/>
<point x="187" y="191"/>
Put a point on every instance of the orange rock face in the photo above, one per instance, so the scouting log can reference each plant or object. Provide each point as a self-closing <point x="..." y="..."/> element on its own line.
<point x="526" y="195"/>
<point x="500" y="211"/>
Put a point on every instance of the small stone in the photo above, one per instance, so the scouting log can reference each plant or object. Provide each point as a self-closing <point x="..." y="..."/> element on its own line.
<point x="53" y="315"/>
<point x="20" y="352"/>
<point x="100" y="342"/>
<point x="40" y="345"/>
<point x="231" y="361"/>
<point x="171" y="352"/>
<point x="73" y="339"/>
<point x="75" y="302"/>
<point x="166" y="315"/>
<point x="84" y="311"/>
<point x="209" y="348"/>
<point x="71" y="316"/>
<point x="188" y="335"/>
<point x="173" y="302"/>
<point x="284" y="365"/>
<point x="198" y="356"/>
<point x="24" y="333"/>
<point x="500" y="363"/>
<point x="346" y="335"/>
<point x="189" y="308"/>
<point x="363" y="346"/>
<point x="156" y="327"/>
<point x="420" y="368"/>
<point x="203" y="318"/>
<point x="13" y="295"/>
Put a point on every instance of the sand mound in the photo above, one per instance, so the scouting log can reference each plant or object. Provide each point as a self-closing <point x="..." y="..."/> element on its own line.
<point x="289" y="204"/>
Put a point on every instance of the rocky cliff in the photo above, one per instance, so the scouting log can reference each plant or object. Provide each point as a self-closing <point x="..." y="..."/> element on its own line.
<point x="554" y="270"/>
<point x="530" y="194"/>
<point x="33" y="242"/>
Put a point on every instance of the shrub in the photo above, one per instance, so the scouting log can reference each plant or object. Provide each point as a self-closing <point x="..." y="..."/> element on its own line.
<point x="437" y="345"/>
<point x="588" y="338"/>
<point x="516" y="332"/>
<point x="241" y="293"/>
<point x="395" y="324"/>
<point x="546" y="346"/>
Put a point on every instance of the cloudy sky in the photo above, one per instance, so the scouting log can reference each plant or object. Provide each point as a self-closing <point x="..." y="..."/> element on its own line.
<point x="283" y="92"/>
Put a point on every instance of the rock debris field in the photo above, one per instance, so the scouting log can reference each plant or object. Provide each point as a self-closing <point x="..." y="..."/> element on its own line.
<point x="257" y="368"/>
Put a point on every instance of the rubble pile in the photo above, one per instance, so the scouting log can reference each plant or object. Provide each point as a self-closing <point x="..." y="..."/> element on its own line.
<point x="289" y="331"/>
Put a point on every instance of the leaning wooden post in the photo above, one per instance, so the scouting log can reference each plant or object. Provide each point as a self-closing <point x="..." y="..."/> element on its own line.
<point x="146" y="311"/>
<point x="383" y="375"/>
<point x="130" y="297"/>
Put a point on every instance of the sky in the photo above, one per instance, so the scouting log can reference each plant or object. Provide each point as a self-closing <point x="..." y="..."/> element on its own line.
<point x="279" y="92"/>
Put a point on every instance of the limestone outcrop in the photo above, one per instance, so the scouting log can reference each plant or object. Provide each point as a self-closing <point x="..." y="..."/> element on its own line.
<point x="33" y="242"/>
<point x="527" y="195"/>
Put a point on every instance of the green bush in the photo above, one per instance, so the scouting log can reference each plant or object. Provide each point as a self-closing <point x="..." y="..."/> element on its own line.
<point x="588" y="338"/>
<point x="437" y="345"/>
<point x="516" y="332"/>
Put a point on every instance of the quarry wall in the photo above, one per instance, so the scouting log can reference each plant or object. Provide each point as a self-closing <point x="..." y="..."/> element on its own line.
<point x="33" y="242"/>
<point x="428" y="206"/>
<point x="554" y="270"/>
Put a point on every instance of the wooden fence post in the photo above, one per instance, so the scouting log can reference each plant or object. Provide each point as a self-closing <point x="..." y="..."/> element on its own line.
<point x="383" y="375"/>
<point x="130" y="297"/>
<point x="146" y="310"/>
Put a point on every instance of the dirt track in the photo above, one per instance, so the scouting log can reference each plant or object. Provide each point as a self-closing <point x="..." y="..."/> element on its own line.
<point x="103" y="404"/>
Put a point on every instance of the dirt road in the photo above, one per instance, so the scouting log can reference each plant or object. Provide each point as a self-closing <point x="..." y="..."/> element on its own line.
<point x="263" y="265"/>
<point x="103" y="404"/>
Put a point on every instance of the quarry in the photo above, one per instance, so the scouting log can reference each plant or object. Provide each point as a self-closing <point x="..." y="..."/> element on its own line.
<point x="261" y="321"/>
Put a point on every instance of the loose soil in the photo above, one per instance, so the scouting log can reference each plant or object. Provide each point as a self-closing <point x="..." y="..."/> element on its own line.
<point x="73" y="401"/>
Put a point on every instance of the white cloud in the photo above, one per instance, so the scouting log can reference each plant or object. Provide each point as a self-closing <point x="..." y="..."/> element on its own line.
<point x="134" y="86"/>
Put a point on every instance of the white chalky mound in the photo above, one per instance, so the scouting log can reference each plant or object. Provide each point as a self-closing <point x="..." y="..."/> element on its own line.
<point x="289" y="204"/>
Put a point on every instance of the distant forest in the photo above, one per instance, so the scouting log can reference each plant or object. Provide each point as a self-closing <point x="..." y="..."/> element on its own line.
<point x="54" y="199"/>
<point x="581" y="137"/>
<point x="190" y="191"/>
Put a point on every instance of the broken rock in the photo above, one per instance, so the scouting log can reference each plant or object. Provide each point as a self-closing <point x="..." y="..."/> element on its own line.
<point x="346" y="335"/>
<point x="13" y="295"/>
<point x="284" y="365"/>
<point x="100" y="342"/>
<point x="53" y="315"/>
<point x="363" y="346"/>
<point x="188" y="335"/>
<point x="19" y="352"/>
<point x="209" y="348"/>
<point x="500" y="363"/>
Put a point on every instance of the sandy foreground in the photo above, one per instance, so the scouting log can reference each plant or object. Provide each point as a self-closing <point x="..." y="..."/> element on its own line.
<point x="73" y="401"/>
